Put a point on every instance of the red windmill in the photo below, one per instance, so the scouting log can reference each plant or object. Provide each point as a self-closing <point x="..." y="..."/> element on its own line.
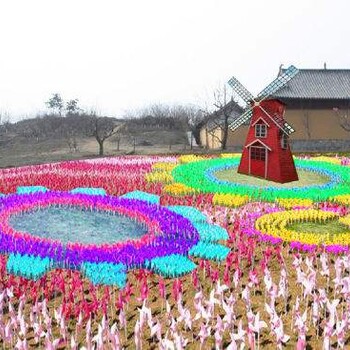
<point x="266" y="152"/>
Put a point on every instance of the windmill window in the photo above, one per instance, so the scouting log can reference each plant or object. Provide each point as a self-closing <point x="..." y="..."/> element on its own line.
<point x="257" y="153"/>
<point x="284" y="141"/>
<point x="260" y="130"/>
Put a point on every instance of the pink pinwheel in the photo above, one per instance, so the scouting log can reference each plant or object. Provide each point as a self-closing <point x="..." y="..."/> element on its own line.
<point x="88" y="335"/>
<point x="198" y="298"/>
<point x="309" y="261"/>
<point x="236" y="278"/>
<point x="282" y="286"/>
<point x="300" y="324"/>
<point x="214" y="276"/>
<point x="38" y="331"/>
<point x="122" y="319"/>
<point x="239" y="336"/>
<point x="340" y="331"/>
<point x="73" y="343"/>
<point x="173" y="325"/>
<point x="246" y="297"/>
<point x="185" y="315"/>
<point x="219" y="330"/>
<point x="338" y="274"/>
<point x="218" y="339"/>
<point x="300" y="275"/>
<point x="272" y="313"/>
<point x="309" y="284"/>
<point x="345" y="286"/>
<point x="8" y="335"/>
<point x="267" y="279"/>
<point x="204" y="333"/>
<point x="203" y="313"/>
<point x="144" y="290"/>
<point x="21" y="344"/>
<point x="98" y="338"/>
<point x="2" y="296"/>
<point x="79" y="324"/>
<point x="157" y="330"/>
<point x="231" y="300"/>
<point x="328" y="333"/>
<point x="180" y="341"/>
<point x="229" y="314"/>
<point x="23" y="326"/>
<point x="145" y="315"/>
<point x="114" y="337"/>
<point x="324" y="265"/>
<point x="195" y="280"/>
<point x="315" y="309"/>
<point x="255" y="325"/>
<point x="12" y="312"/>
<point x="51" y="345"/>
<point x="227" y="277"/>
<point x="63" y="329"/>
<point x="188" y="319"/>
<point x="137" y="336"/>
<point x="177" y="289"/>
<point x="297" y="260"/>
<point x="9" y="292"/>
<point x="212" y="301"/>
<point x="253" y="279"/>
<point x="281" y="337"/>
<point x="220" y="289"/>
<point x="166" y="344"/>
<point x="332" y="309"/>
<point x="161" y="288"/>
<point x="168" y="308"/>
<point x="58" y="314"/>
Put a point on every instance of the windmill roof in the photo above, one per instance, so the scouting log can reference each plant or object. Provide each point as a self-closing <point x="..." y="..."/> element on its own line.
<point x="317" y="84"/>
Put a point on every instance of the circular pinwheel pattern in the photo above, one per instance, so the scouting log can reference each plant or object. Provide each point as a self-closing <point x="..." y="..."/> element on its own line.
<point x="201" y="176"/>
<point x="172" y="234"/>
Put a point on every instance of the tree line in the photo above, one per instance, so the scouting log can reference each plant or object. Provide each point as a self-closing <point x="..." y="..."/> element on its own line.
<point x="69" y="121"/>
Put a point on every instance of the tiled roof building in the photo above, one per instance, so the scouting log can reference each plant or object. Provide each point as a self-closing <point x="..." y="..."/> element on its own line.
<point x="317" y="106"/>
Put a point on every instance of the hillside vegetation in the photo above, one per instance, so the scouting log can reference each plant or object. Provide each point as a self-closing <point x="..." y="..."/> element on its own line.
<point x="53" y="138"/>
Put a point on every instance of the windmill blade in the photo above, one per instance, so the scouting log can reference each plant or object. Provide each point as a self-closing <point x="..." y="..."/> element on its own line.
<point x="279" y="82"/>
<point x="241" y="119"/>
<point x="240" y="90"/>
<point x="279" y="121"/>
<point x="283" y="125"/>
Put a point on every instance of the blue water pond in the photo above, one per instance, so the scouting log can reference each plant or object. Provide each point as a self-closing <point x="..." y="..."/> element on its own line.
<point x="75" y="224"/>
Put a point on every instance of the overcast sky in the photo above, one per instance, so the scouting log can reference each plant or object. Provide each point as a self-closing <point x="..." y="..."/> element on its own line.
<point x="120" y="55"/>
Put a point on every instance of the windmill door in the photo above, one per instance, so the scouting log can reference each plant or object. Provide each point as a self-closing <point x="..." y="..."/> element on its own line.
<point x="258" y="161"/>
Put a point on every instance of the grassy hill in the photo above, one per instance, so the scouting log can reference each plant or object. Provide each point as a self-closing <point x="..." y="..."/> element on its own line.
<point x="35" y="141"/>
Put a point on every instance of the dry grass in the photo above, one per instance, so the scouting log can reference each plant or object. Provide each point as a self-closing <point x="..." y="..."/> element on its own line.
<point x="306" y="178"/>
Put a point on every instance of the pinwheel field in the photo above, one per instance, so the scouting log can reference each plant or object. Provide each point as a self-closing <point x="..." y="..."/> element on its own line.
<point x="174" y="252"/>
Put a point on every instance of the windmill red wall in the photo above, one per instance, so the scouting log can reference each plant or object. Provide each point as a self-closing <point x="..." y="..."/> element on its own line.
<point x="278" y="164"/>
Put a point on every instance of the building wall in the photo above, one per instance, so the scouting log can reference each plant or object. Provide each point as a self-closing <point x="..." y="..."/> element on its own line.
<point x="322" y="125"/>
<point x="309" y="125"/>
<point x="238" y="137"/>
<point x="211" y="139"/>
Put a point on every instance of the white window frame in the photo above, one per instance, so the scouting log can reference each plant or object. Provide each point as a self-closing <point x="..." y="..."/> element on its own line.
<point x="260" y="130"/>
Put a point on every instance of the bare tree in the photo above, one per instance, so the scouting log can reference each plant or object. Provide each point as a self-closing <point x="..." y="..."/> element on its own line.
<point x="225" y="109"/>
<point x="343" y="117"/>
<point x="102" y="128"/>
<point x="5" y="121"/>
<point x="72" y="127"/>
<point x="163" y="116"/>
